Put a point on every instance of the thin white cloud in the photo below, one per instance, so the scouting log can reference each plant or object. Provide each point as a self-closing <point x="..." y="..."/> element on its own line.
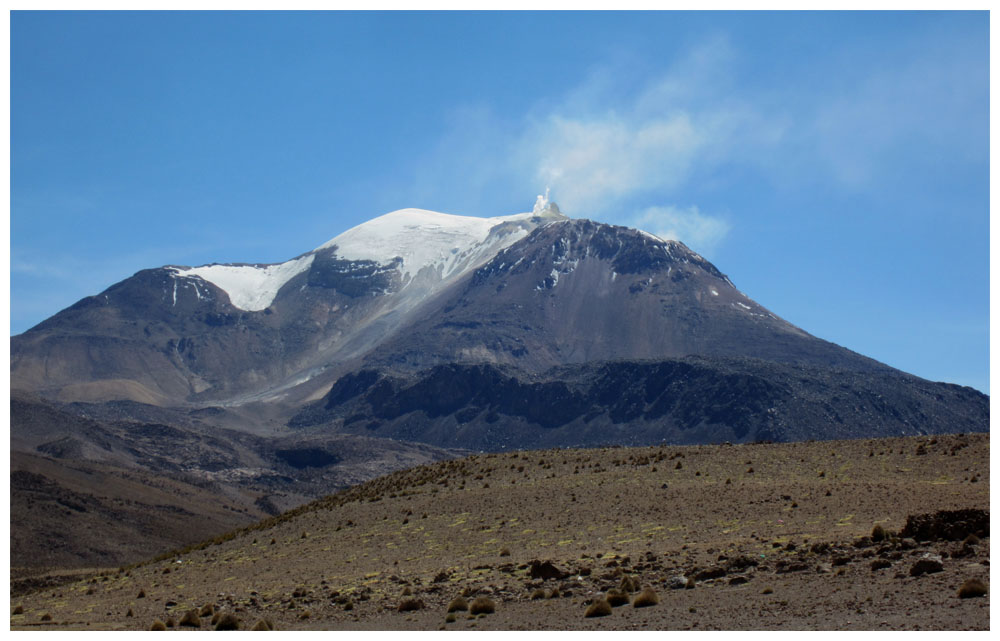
<point x="701" y="232"/>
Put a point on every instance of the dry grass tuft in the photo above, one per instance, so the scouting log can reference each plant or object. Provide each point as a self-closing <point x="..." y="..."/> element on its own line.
<point x="629" y="584"/>
<point x="158" y="626"/>
<point x="262" y="625"/>
<point x="409" y="605"/>
<point x="616" y="598"/>
<point x="207" y="610"/>
<point x="458" y="603"/>
<point x="645" y="599"/>
<point x="599" y="608"/>
<point x="482" y="605"/>
<point x="190" y="619"/>
<point x="538" y="594"/>
<point x="879" y="533"/>
<point x="972" y="588"/>
<point x="228" y="622"/>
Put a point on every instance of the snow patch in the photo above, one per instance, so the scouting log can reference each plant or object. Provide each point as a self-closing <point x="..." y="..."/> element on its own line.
<point x="449" y="245"/>
<point x="250" y="287"/>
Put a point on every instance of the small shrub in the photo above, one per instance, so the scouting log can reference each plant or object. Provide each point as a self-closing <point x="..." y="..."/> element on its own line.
<point x="878" y="533"/>
<point x="207" y="610"/>
<point x="972" y="539"/>
<point x="767" y="591"/>
<point x="348" y="606"/>
<point x="171" y="622"/>
<point x="215" y="618"/>
<point x="407" y="591"/>
<point x="130" y="613"/>
<point x="616" y="598"/>
<point x="645" y="599"/>
<point x="409" y="605"/>
<point x="457" y="604"/>
<point x="554" y="594"/>
<point x="228" y="622"/>
<point x="18" y="609"/>
<point x="141" y="595"/>
<point x="450" y="618"/>
<point x="48" y="617"/>
<point x="538" y="594"/>
<point x="482" y="605"/>
<point x="599" y="608"/>
<point x="262" y="625"/>
<point x="972" y="588"/>
<point x="505" y="552"/>
<point x="629" y="584"/>
<point x="158" y="626"/>
<point x="190" y="619"/>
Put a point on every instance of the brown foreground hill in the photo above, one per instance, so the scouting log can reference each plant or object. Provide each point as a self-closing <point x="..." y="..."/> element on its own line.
<point x="818" y="535"/>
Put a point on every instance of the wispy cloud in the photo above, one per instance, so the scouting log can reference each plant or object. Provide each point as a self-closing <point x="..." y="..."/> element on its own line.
<point x="631" y="146"/>
<point x="686" y="224"/>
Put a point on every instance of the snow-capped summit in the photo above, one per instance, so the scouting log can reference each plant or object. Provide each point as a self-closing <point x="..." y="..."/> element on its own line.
<point x="412" y="241"/>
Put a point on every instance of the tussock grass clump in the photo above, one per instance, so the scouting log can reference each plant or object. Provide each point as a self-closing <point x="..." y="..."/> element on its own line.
<point x="458" y="604"/>
<point x="48" y="617"/>
<point x="645" y="599"/>
<point x="206" y="610"/>
<point x="538" y="594"/>
<point x="972" y="539"/>
<point x="262" y="625"/>
<point x="482" y="605"/>
<point x="215" y="618"/>
<point x="599" y="608"/>
<point x="158" y="626"/>
<point x="228" y="622"/>
<point x="629" y="584"/>
<point x="879" y="533"/>
<point x="451" y="618"/>
<point x="141" y="595"/>
<point x="171" y="622"/>
<point x="409" y="605"/>
<point x="616" y="598"/>
<point x="18" y="609"/>
<point x="190" y="619"/>
<point x="972" y="588"/>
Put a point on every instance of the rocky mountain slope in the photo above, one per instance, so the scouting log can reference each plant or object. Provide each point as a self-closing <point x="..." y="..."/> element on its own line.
<point x="416" y="333"/>
<point x="692" y="400"/>
<point x="112" y="483"/>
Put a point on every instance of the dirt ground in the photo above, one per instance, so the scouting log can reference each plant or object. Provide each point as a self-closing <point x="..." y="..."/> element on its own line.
<point x="762" y="536"/>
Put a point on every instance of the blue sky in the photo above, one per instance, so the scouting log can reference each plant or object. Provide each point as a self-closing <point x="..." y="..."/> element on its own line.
<point x="834" y="165"/>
